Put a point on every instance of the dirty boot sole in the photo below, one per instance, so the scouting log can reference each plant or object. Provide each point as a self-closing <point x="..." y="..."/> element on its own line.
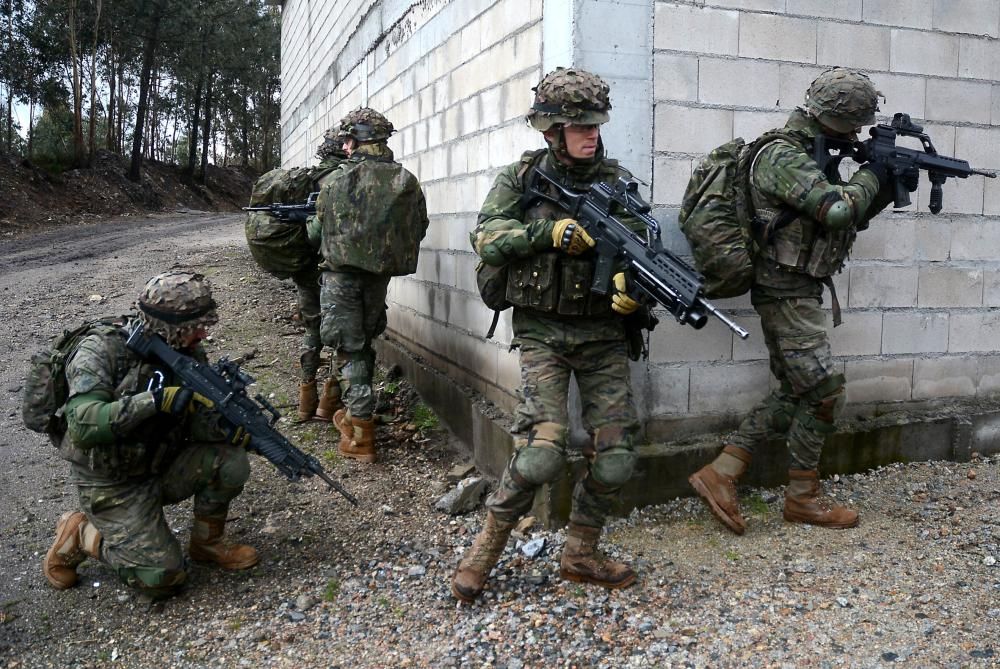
<point x="463" y="597"/>
<point x="713" y="506"/>
<point x="577" y="577"/>
<point x="65" y="528"/>
<point x="830" y="526"/>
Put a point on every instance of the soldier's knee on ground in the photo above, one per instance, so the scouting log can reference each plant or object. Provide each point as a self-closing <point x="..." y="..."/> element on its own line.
<point x="155" y="582"/>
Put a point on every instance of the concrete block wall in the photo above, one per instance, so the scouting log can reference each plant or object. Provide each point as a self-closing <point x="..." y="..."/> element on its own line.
<point x="920" y="291"/>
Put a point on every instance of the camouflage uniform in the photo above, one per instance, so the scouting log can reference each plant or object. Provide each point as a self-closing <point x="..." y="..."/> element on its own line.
<point x="807" y="220"/>
<point x="130" y="455"/>
<point x="561" y="329"/>
<point x="372" y="216"/>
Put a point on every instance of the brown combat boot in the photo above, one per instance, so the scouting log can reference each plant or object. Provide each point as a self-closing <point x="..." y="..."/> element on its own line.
<point x="76" y="539"/>
<point x="716" y="484"/>
<point x="308" y="400"/>
<point x="357" y="436"/>
<point x="207" y="545"/>
<point x="803" y="503"/>
<point x="477" y="563"/>
<point x="582" y="562"/>
<point x="329" y="400"/>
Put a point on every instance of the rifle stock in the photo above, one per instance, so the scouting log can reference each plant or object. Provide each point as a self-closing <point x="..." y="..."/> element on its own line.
<point x="225" y="384"/>
<point x="657" y="273"/>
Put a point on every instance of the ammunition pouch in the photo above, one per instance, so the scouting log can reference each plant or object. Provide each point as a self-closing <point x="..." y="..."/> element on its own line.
<point x="552" y="282"/>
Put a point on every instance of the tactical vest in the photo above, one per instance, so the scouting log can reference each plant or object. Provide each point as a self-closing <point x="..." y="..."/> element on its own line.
<point x="552" y="281"/>
<point x="796" y="242"/>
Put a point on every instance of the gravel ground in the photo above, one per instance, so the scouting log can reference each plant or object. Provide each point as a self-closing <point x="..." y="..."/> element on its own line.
<point x="915" y="585"/>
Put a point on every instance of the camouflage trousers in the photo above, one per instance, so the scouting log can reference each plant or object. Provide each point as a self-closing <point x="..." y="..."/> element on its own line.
<point x="810" y="395"/>
<point x="307" y="285"/>
<point x="353" y="315"/>
<point x="137" y="543"/>
<point x="602" y="374"/>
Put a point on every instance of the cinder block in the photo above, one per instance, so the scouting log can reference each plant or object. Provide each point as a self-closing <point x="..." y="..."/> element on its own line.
<point x="995" y="106"/>
<point x="673" y="342"/>
<point x="950" y="287"/>
<point x="904" y="13"/>
<point x="727" y="388"/>
<point x="777" y="38"/>
<point x="695" y="29"/>
<point x="853" y="45"/>
<point x="975" y="331"/>
<point x="991" y="288"/>
<point x="979" y="58"/>
<point x="509" y="362"/>
<point x="914" y="332"/>
<point x="750" y="125"/>
<point x="888" y="238"/>
<point x="753" y="347"/>
<point x="691" y="130"/>
<point x="974" y="240"/>
<point x="991" y="198"/>
<point x="924" y="53"/>
<point x="883" y="286"/>
<point x="859" y="334"/>
<point x="747" y="83"/>
<point x="961" y="196"/>
<point x="776" y="6"/>
<point x="670" y="178"/>
<point x="979" y="146"/>
<point x="902" y="94"/>
<point x="879" y="380"/>
<point x="668" y="389"/>
<point x="795" y="81"/>
<point x="958" y="100"/>
<point x="848" y="10"/>
<point x="675" y="77"/>
<point x="989" y="379"/>
<point x="953" y="376"/>
<point x="976" y="17"/>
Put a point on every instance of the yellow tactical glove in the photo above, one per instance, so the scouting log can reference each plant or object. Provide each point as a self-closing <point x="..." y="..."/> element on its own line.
<point x="178" y="400"/>
<point x="570" y="236"/>
<point x="620" y="301"/>
<point x="238" y="436"/>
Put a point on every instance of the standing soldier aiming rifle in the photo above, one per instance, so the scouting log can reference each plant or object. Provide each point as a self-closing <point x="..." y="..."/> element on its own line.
<point x="137" y="440"/>
<point x="561" y="328"/>
<point x="806" y="219"/>
<point x="372" y="216"/>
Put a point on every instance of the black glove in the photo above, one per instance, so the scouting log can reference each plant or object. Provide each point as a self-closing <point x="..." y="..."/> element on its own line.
<point x="880" y="170"/>
<point x="910" y="179"/>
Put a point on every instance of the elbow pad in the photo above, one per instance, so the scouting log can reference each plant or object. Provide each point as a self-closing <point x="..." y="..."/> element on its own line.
<point x="89" y="418"/>
<point x="838" y="215"/>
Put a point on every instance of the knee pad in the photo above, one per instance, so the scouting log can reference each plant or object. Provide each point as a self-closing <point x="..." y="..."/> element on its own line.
<point x="613" y="468"/>
<point x="234" y="470"/>
<point x="539" y="463"/>
<point x="781" y="409"/>
<point x="819" y="415"/>
<point x="157" y="582"/>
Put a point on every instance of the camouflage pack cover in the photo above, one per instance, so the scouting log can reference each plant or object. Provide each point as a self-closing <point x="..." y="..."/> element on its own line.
<point x="716" y="216"/>
<point x="373" y="217"/>
<point x="45" y="388"/>
<point x="282" y="248"/>
<point x="842" y="99"/>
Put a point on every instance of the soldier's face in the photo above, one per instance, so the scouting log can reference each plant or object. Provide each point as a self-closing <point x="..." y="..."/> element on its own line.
<point x="192" y="338"/>
<point x="581" y="140"/>
<point x="349" y="145"/>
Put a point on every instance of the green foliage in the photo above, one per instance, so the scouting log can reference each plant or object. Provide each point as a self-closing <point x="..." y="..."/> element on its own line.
<point x="391" y="388"/>
<point x="332" y="590"/>
<point x="732" y="555"/>
<point x="757" y="505"/>
<point x="424" y="418"/>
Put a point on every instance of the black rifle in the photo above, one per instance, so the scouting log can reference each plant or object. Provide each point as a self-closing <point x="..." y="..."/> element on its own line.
<point x="881" y="148"/>
<point x="655" y="271"/>
<point x="290" y="213"/>
<point x="225" y="384"/>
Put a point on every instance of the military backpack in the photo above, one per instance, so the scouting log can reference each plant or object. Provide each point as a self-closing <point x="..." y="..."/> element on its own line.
<point x="282" y="248"/>
<point x="46" y="389"/>
<point x="717" y="215"/>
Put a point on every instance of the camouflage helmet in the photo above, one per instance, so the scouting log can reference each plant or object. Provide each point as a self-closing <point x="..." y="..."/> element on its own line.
<point x="569" y="95"/>
<point x="366" y="125"/>
<point x="332" y="145"/>
<point x="842" y="99"/>
<point x="174" y="304"/>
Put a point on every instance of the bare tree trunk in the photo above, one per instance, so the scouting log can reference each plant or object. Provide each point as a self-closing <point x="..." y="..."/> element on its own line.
<point x="31" y="126"/>
<point x="202" y="177"/>
<point x="193" y="125"/>
<point x="109" y="134"/>
<point x="148" y="53"/>
<point x="93" y="80"/>
<point x="10" y="119"/>
<point x="74" y="56"/>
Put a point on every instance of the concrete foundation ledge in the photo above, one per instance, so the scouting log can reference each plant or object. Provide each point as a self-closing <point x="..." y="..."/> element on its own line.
<point x="879" y="435"/>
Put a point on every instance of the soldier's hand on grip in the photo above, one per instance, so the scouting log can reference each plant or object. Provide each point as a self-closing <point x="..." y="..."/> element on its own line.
<point x="178" y="400"/>
<point x="570" y="236"/>
<point x="910" y="179"/>
<point x="620" y="300"/>
<point x="238" y="436"/>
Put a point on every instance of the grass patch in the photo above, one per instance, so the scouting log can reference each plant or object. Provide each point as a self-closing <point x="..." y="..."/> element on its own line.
<point x="757" y="505"/>
<point x="331" y="457"/>
<point x="424" y="418"/>
<point x="732" y="555"/>
<point x="332" y="590"/>
<point x="391" y="388"/>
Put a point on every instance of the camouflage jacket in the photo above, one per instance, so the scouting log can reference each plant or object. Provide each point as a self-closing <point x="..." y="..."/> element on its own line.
<point x="549" y="289"/>
<point x="786" y="178"/>
<point x="372" y="215"/>
<point x="113" y="427"/>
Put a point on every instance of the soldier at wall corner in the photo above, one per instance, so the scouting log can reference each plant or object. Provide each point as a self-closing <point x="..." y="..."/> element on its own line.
<point x="561" y="330"/>
<point x="371" y="217"/>
<point x="807" y="218"/>
<point x="137" y="441"/>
